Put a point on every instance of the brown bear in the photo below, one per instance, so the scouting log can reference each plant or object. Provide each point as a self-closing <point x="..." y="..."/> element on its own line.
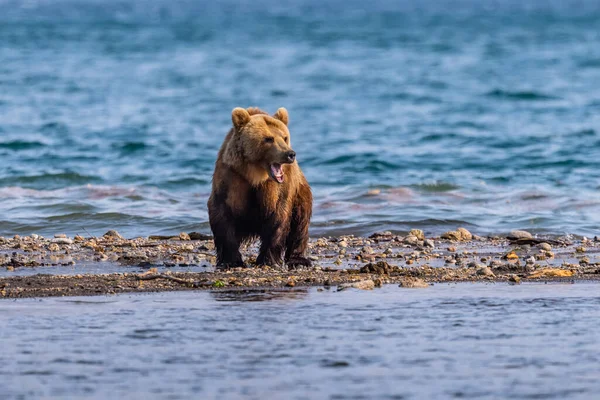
<point x="259" y="191"/>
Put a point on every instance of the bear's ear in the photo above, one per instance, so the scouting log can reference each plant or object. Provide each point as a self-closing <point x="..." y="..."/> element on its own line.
<point x="282" y="115"/>
<point x="239" y="117"/>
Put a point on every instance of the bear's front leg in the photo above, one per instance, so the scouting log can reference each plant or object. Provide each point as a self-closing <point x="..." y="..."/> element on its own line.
<point x="227" y="243"/>
<point x="271" y="247"/>
<point x="297" y="238"/>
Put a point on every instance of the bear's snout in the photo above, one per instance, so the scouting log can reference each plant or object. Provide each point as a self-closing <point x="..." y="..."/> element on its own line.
<point x="291" y="156"/>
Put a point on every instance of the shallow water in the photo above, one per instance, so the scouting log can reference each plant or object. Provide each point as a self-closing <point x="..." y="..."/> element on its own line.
<point x="483" y="114"/>
<point x="491" y="341"/>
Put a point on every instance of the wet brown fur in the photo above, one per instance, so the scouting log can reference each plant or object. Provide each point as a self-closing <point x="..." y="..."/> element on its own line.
<point x="246" y="203"/>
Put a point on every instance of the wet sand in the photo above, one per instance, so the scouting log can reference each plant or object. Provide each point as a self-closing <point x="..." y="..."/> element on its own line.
<point x="411" y="261"/>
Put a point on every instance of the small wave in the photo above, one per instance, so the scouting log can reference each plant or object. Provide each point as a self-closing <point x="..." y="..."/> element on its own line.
<point x="520" y="95"/>
<point x="131" y="147"/>
<point x="52" y="179"/>
<point x="591" y="63"/>
<point x="21" y="145"/>
<point x="436" y="187"/>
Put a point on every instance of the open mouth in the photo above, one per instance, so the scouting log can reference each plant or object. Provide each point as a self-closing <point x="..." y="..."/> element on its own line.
<point x="276" y="172"/>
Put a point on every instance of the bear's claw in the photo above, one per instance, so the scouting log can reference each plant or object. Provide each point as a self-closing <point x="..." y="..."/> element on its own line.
<point x="298" y="261"/>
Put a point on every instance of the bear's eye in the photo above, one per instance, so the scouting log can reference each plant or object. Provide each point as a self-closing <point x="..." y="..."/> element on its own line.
<point x="269" y="140"/>
<point x="286" y="139"/>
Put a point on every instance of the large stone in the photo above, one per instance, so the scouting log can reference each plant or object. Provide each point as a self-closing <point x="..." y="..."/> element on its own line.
<point x="461" y="235"/>
<point x="515" y="235"/>
<point x="368" y="284"/>
<point x="551" y="273"/>
<point x="413" y="283"/>
<point x="418" y="233"/>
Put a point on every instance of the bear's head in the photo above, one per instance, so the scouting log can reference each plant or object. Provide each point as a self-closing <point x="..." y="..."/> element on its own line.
<point x="262" y="143"/>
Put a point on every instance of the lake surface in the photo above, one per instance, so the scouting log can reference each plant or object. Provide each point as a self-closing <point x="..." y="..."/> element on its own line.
<point x="485" y="341"/>
<point x="477" y="113"/>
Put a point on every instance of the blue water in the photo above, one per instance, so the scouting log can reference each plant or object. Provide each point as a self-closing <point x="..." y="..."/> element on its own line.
<point x="473" y="341"/>
<point x="484" y="114"/>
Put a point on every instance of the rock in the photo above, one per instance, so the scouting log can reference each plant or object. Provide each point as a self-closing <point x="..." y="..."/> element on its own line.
<point x="187" y="247"/>
<point x="368" y="284"/>
<point x="60" y="236"/>
<point x="53" y="247"/>
<point x="530" y="260"/>
<point x="112" y="234"/>
<point x="514" y="235"/>
<point x="385" y="235"/>
<point x="412" y="240"/>
<point x="417" y="233"/>
<point x="580" y="249"/>
<point x="429" y="243"/>
<point x="184" y="236"/>
<point x="514" y="279"/>
<point x="413" y="283"/>
<point x="62" y="240"/>
<point x="373" y="192"/>
<point x="465" y="234"/>
<point x="485" y="271"/>
<point x="545" y="246"/>
<point x="452" y="249"/>
<point x="388" y="251"/>
<point x="511" y="255"/>
<point x="551" y="273"/>
<point x="34" y="236"/>
<point x="461" y="235"/>
<point x="377" y="268"/>
<point x="367" y="250"/>
<point x="584" y="260"/>
<point x="343" y="244"/>
<point x="79" y="238"/>
<point x="199" y="236"/>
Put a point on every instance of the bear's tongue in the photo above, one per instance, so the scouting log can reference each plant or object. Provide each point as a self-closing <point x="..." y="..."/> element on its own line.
<point x="277" y="172"/>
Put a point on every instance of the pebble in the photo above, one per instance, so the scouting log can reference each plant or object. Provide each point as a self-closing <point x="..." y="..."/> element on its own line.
<point x="411" y="240"/>
<point x="584" y="260"/>
<point x="519" y="235"/>
<point x="62" y="240"/>
<point x="343" y="244"/>
<point x="53" y="247"/>
<point x="367" y="250"/>
<point x="184" y="236"/>
<point x="485" y="271"/>
<point x="112" y="234"/>
<point x="60" y="236"/>
<point x="373" y="192"/>
<point x="580" y="249"/>
<point x="545" y="246"/>
<point x="418" y="233"/>
<point x="34" y="236"/>
<point x="452" y="249"/>
<point x="530" y="260"/>
<point x="514" y="279"/>
<point x="429" y="243"/>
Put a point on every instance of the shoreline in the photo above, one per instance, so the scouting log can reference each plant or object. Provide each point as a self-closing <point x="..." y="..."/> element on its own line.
<point x="155" y="264"/>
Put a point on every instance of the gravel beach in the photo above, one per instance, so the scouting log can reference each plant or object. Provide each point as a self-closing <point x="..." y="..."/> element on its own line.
<point x="411" y="261"/>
